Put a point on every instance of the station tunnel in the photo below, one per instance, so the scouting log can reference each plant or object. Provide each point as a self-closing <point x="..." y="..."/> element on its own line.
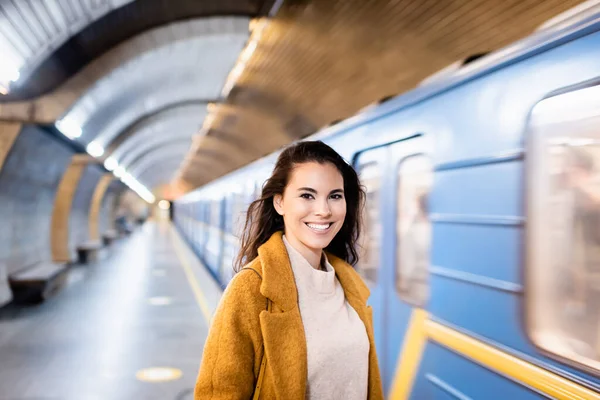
<point x="134" y="135"/>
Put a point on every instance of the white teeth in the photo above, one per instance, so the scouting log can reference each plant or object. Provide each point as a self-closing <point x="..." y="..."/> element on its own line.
<point x="320" y="227"/>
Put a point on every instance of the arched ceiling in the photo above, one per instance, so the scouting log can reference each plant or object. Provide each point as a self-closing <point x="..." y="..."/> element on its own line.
<point x="51" y="40"/>
<point x="320" y="61"/>
<point x="195" y="89"/>
<point x="184" y="61"/>
<point x="174" y="124"/>
<point x="31" y="31"/>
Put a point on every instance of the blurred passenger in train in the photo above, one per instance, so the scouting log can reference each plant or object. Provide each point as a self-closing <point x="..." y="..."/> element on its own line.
<point x="586" y="218"/>
<point x="584" y="300"/>
<point x="293" y="323"/>
<point x="415" y="248"/>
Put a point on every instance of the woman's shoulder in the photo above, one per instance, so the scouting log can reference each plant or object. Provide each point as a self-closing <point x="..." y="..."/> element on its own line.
<point x="246" y="283"/>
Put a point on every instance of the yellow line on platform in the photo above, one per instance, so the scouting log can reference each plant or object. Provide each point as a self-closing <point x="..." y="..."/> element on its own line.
<point x="200" y="298"/>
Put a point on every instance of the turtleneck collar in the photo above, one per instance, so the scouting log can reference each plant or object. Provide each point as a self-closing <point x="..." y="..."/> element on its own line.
<point x="319" y="281"/>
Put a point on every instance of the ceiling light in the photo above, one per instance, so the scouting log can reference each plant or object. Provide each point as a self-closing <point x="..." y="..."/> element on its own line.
<point x="14" y="75"/>
<point x="8" y="74"/>
<point x="95" y="149"/>
<point x="69" y="128"/>
<point x="119" y="172"/>
<point x="257" y="27"/>
<point x="110" y="164"/>
<point x="164" y="205"/>
<point x="257" y="24"/>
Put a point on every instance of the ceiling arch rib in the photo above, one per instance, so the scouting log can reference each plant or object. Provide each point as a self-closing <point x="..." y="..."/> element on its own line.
<point x="108" y="123"/>
<point x="156" y="157"/>
<point x="154" y="152"/>
<point x="193" y="65"/>
<point x="185" y="118"/>
<point x="215" y="158"/>
<point x="158" y="174"/>
<point x="156" y="177"/>
<point x="151" y="146"/>
<point x="170" y="158"/>
<point x="177" y="125"/>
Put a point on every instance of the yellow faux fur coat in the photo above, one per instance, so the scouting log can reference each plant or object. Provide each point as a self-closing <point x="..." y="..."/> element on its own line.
<point x="241" y="325"/>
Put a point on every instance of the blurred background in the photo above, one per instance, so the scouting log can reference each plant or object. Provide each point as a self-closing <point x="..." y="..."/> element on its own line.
<point x="134" y="134"/>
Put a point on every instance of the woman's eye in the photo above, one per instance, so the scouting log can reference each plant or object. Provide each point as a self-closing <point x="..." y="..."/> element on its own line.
<point x="306" y="196"/>
<point x="337" y="196"/>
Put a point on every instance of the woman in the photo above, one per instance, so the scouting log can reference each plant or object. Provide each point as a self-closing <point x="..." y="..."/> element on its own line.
<point x="293" y="323"/>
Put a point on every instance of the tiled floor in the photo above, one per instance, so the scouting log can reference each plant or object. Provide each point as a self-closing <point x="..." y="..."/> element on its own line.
<point x="134" y="309"/>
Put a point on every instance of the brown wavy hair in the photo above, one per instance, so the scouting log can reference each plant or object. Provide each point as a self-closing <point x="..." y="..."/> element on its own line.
<point x="262" y="220"/>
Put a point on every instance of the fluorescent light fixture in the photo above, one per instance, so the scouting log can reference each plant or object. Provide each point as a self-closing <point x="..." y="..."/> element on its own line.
<point x="14" y="75"/>
<point x="69" y="128"/>
<point x="95" y="149"/>
<point x="110" y="164"/>
<point x="137" y="187"/>
<point x="8" y="74"/>
<point x="248" y="51"/>
<point x="208" y="120"/>
<point x="257" y="27"/>
<point x="164" y="205"/>
<point x="119" y="171"/>
<point x="10" y="67"/>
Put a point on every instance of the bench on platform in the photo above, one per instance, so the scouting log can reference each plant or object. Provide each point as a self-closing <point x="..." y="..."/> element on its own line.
<point x="88" y="251"/>
<point x="38" y="282"/>
<point x="109" y="236"/>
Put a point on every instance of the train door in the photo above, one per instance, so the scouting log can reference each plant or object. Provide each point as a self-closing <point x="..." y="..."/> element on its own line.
<point x="370" y="166"/>
<point x="395" y="258"/>
<point x="406" y="250"/>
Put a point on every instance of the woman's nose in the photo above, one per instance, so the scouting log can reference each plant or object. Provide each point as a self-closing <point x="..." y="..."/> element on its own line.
<point x="323" y="209"/>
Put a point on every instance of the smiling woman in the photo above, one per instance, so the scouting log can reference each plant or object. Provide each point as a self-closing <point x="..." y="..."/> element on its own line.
<point x="313" y="208"/>
<point x="296" y="303"/>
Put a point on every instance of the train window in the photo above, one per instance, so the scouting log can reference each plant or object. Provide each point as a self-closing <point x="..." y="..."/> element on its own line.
<point x="413" y="229"/>
<point x="370" y="176"/>
<point x="563" y="276"/>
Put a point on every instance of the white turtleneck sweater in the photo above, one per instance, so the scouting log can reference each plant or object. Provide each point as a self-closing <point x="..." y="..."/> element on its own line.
<point x="336" y="339"/>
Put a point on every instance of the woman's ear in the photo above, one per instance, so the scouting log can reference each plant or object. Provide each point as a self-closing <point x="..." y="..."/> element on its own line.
<point x="277" y="203"/>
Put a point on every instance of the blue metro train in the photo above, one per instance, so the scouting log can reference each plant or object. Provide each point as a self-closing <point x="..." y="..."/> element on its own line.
<point x="482" y="242"/>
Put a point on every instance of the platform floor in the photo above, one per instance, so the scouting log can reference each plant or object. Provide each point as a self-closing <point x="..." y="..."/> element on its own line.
<point x="145" y="304"/>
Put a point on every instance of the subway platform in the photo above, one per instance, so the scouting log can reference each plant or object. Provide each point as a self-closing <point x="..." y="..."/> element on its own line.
<point x="129" y="326"/>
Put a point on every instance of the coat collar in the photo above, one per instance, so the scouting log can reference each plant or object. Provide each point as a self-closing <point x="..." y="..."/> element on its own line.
<point x="282" y="330"/>
<point x="278" y="282"/>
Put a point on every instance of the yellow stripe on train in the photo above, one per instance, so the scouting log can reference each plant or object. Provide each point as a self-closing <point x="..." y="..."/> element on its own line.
<point x="422" y="329"/>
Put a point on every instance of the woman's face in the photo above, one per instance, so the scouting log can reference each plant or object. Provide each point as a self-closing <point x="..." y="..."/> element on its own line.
<point x="313" y="207"/>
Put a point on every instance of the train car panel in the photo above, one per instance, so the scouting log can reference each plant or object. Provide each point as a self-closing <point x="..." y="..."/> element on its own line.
<point x="468" y="249"/>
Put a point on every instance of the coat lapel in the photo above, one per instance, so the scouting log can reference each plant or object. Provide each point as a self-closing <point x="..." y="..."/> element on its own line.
<point x="285" y="349"/>
<point x="357" y="293"/>
<point x="282" y="329"/>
